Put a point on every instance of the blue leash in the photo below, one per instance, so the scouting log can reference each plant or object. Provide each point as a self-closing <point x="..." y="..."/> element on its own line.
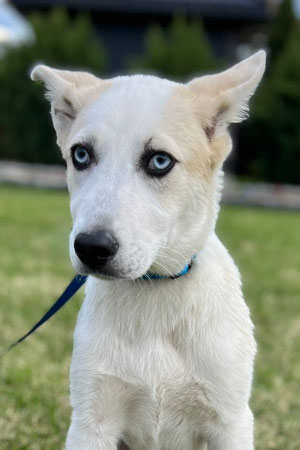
<point x="70" y="290"/>
<point x="75" y="285"/>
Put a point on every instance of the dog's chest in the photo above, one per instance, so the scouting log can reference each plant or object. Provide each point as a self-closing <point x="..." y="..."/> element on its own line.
<point x="149" y="373"/>
<point x="169" y="416"/>
<point x="172" y="408"/>
<point x="163" y="401"/>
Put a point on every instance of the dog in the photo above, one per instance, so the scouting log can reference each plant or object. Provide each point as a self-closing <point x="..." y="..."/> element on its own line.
<point x="163" y="346"/>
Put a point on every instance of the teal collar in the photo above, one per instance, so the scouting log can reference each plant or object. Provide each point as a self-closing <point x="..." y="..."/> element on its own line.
<point x="155" y="276"/>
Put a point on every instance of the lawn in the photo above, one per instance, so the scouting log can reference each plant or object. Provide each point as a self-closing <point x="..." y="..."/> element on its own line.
<point x="35" y="268"/>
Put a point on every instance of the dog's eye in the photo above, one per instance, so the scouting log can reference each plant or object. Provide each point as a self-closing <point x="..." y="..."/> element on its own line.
<point x="80" y="157"/>
<point x="160" y="164"/>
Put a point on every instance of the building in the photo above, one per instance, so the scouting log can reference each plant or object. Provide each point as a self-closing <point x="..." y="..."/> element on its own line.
<point x="122" y="24"/>
<point x="14" y="29"/>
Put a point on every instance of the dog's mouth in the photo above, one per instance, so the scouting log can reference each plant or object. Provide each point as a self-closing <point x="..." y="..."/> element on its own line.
<point x="100" y="272"/>
<point x="106" y="273"/>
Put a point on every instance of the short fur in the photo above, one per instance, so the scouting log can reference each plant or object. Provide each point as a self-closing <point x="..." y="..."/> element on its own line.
<point x="164" y="364"/>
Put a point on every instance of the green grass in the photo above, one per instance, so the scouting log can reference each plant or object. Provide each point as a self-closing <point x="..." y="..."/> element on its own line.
<point x="34" y="227"/>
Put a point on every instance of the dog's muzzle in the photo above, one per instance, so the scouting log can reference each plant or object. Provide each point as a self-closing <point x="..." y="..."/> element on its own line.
<point x="96" y="249"/>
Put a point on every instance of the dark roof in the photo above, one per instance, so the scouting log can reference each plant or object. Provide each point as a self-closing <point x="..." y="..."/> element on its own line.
<point x="234" y="9"/>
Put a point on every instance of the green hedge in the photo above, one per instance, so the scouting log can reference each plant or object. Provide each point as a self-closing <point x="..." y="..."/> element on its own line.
<point x="269" y="144"/>
<point x="26" y="132"/>
<point x="178" y="53"/>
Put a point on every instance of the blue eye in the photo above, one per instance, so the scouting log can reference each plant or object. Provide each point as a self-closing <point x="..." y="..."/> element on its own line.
<point x="81" y="157"/>
<point x="160" y="164"/>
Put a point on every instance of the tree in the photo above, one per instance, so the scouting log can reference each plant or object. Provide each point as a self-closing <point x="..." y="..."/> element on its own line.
<point x="25" y="130"/>
<point x="281" y="28"/>
<point x="181" y="51"/>
<point x="272" y="137"/>
<point x="269" y="144"/>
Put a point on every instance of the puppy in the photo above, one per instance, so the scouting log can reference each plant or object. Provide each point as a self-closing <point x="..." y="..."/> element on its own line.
<point x="164" y="348"/>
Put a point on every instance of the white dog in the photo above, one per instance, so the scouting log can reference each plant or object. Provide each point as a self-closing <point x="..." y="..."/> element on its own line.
<point x="159" y="362"/>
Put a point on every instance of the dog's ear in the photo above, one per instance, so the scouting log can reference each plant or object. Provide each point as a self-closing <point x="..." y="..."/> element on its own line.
<point x="225" y="96"/>
<point x="68" y="92"/>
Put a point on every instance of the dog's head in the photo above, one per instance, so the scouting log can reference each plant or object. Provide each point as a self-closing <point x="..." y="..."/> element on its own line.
<point x="144" y="157"/>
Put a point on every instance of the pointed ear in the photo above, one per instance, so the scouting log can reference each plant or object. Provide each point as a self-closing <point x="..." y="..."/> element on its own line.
<point x="226" y="95"/>
<point x="68" y="92"/>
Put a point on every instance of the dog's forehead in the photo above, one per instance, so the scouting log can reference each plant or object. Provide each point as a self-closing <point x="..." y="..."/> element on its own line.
<point x="131" y="105"/>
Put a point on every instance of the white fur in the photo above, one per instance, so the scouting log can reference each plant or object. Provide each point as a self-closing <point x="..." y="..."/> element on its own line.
<point x="164" y="364"/>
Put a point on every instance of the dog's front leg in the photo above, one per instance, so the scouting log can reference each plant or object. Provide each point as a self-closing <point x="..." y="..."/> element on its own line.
<point x="81" y="437"/>
<point x="98" y="417"/>
<point x="237" y="435"/>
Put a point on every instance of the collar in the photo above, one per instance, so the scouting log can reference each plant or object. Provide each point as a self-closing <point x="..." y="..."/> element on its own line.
<point x="155" y="276"/>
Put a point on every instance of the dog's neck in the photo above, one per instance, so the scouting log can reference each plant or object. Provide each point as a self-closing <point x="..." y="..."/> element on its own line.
<point x="154" y="276"/>
<point x="140" y="309"/>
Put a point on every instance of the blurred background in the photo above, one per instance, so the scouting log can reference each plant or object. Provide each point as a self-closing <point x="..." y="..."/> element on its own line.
<point x="259" y="222"/>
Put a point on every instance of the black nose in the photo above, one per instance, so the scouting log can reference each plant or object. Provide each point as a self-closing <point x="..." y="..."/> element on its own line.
<point x="95" y="249"/>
